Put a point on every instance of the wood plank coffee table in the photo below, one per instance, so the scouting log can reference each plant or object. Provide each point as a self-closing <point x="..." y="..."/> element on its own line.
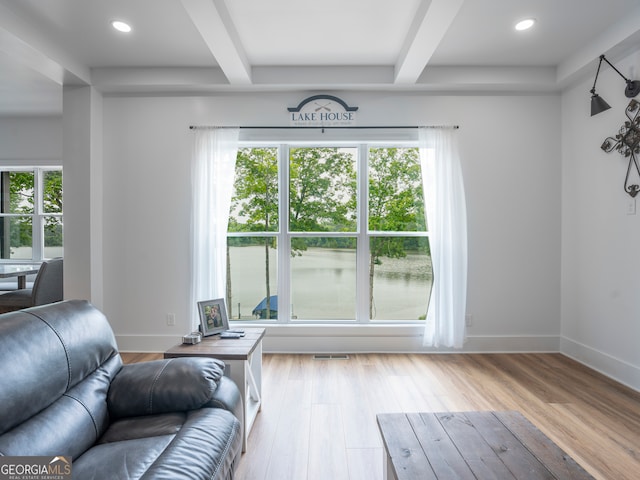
<point x="243" y="361"/>
<point x="471" y="445"/>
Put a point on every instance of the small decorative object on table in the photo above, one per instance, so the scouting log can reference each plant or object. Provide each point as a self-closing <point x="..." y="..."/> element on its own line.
<point x="192" y="338"/>
<point x="213" y="316"/>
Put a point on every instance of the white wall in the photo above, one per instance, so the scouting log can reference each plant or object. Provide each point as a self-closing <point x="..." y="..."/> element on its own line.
<point x="600" y="260"/>
<point x="31" y="140"/>
<point x="510" y="148"/>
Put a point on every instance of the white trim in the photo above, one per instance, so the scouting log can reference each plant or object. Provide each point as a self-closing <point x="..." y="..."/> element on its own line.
<point x="356" y="339"/>
<point x="615" y="368"/>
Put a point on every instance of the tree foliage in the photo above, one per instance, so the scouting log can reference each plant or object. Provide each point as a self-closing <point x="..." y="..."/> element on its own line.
<point x="395" y="198"/>
<point x="322" y="190"/>
<point x="255" y="203"/>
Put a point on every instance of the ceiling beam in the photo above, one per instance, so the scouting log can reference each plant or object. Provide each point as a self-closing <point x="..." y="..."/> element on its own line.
<point x="212" y="20"/>
<point x="26" y="44"/>
<point x="432" y="21"/>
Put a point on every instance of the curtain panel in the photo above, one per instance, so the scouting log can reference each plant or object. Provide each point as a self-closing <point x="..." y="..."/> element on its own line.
<point x="212" y="174"/>
<point x="446" y="213"/>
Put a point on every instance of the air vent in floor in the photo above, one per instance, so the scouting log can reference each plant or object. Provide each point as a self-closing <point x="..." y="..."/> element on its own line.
<point x="331" y="357"/>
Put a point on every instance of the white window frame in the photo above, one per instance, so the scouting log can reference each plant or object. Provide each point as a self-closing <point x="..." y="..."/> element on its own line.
<point x="362" y="233"/>
<point x="38" y="216"/>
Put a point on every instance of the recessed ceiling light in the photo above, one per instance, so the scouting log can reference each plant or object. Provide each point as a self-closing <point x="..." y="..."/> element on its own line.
<point x="121" y="26"/>
<point x="525" y="24"/>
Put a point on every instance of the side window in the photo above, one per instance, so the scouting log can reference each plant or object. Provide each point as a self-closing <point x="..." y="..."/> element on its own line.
<point x="30" y="213"/>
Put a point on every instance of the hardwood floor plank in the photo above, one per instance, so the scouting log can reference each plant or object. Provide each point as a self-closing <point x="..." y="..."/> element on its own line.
<point x="365" y="463"/>
<point x="359" y="431"/>
<point x="293" y="431"/>
<point x="599" y="446"/>
<point x="327" y="451"/>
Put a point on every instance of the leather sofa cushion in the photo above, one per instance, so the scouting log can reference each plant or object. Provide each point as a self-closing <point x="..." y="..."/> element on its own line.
<point x="185" y="446"/>
<point x="162" y="386"/>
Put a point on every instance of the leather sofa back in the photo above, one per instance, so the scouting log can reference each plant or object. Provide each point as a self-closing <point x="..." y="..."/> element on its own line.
<point x="57" y="364"/>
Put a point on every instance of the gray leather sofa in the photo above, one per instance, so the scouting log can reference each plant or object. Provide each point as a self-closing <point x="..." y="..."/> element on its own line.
<point x="65" y="392"/>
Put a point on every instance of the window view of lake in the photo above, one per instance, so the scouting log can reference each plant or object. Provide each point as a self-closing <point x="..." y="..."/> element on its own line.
<point x="324" y="284"/>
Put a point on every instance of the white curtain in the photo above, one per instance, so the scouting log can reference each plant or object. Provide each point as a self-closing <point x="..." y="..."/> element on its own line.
<point x="212" y="175"/>
<point x="446" y="213"/>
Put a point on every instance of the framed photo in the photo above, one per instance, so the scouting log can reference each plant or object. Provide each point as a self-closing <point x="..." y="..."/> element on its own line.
<point x="213" y="316"/>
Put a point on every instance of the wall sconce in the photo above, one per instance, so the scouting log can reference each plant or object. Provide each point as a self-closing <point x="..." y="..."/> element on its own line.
<point x="598" y="104"/>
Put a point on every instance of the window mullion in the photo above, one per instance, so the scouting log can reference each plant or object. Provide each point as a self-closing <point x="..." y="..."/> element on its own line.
<point x="362" y="258"/>
<point x="37" y="219"/>
<point x="284" y="238"/>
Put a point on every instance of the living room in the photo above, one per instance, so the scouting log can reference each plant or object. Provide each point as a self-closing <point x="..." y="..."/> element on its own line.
<point x="550" y="236"/>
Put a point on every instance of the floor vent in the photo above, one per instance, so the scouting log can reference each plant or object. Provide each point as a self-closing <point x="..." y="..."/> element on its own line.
<point x="331" y="357"/>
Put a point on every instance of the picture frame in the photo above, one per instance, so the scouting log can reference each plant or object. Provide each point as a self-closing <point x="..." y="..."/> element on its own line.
<point x="213" y="316"/>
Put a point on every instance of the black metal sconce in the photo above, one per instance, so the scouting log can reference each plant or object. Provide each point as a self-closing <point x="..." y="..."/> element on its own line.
<point x="598" y="104"/>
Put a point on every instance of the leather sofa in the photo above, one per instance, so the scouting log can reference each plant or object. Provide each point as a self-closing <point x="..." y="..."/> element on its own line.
<point x="64" y="391"/>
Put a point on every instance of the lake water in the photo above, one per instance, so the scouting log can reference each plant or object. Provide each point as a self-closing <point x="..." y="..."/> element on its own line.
<point x="324" y="284"/>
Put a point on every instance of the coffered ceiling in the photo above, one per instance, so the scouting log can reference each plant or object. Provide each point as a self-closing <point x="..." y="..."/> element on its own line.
<point x="265" y="45"/>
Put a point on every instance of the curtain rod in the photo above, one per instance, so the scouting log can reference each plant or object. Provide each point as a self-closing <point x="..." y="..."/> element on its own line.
<point x="293" y="127"/>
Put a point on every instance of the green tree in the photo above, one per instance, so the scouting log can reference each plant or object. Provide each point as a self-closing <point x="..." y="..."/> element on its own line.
<point x="395" y="204"/>
<point x="322" y="193"/>
<point x="322" y="190"/>
<point x="52" y="203"/>
<point x="255" y="203"/>
<point x="21" y="201"/>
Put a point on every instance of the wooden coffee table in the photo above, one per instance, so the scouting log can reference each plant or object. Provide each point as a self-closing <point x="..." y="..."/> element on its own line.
<point x="243" y="364"/>
<point x="471" y="445"/>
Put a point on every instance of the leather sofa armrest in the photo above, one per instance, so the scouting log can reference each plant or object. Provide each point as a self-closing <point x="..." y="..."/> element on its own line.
<point x="228" y="397"/>
<point x="162" y="386"/>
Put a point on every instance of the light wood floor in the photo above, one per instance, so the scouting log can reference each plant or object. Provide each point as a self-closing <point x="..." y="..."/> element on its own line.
<point x="318" y="416"/>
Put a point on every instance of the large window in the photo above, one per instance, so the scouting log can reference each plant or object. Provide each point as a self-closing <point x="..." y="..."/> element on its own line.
<point x="30" y="213"/>
<point x="328" y="233"/>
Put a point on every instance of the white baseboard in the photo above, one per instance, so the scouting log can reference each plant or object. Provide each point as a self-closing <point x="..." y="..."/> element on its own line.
<point x="390" y="339"/>
<point x="356" y="339"/>
<point x="612" y="367"/>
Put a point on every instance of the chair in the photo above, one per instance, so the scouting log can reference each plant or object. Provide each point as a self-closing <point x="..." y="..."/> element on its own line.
<point x="47" y="288"/>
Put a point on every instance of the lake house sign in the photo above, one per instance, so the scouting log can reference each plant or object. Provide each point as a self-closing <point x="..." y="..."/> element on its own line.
<point x="322" y="111"/>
